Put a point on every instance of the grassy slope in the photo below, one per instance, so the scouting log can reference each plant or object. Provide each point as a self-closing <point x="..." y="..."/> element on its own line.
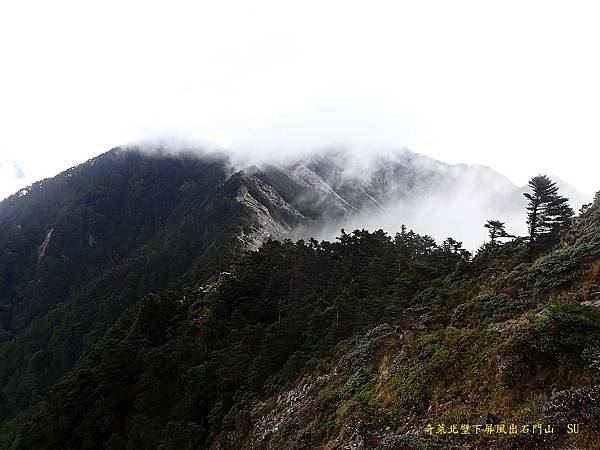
<point x="513" y="340"/>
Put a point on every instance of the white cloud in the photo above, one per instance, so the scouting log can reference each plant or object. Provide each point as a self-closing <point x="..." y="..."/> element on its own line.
<point x="512" y="85"/>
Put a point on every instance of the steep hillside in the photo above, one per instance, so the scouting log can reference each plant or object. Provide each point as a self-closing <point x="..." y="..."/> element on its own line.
<point x="61" y="232"/>
<point x="78" y="249"/>
<point x="501" y="343"/>
<point x="362" y="343"/>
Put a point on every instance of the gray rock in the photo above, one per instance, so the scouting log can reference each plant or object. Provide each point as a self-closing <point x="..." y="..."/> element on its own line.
<point x="595" y="304"/>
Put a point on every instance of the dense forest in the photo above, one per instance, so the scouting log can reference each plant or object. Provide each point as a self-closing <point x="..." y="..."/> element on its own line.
<point x="158" y="331"/>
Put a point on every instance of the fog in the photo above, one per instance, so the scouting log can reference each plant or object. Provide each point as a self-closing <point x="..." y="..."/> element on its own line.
<point x="443" y="200"/>
<point x="459" y="213"/>
<point x="445" y="79"/>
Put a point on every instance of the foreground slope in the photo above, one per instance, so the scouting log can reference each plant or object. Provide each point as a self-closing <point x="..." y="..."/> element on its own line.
<point x="361" y="343"/>
<point x="498" y="342"/>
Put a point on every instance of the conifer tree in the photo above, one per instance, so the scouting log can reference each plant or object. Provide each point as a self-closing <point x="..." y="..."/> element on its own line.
<point x="547" y="211"/>
<point x="496" y="230"/>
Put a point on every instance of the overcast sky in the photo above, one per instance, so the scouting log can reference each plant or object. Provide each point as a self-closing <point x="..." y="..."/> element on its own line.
<point x="513" y="85"/>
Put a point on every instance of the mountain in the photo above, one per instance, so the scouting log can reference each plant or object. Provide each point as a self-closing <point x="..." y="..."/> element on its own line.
<point x="132" y="315"/>
<point x="400" y="188"/>
<point x="337" y="188"/>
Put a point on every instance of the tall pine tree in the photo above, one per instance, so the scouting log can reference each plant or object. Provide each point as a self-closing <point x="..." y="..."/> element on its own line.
<point x="547" y="212"/>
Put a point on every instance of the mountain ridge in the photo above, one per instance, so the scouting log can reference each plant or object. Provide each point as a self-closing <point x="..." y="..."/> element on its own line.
<point x="107" y="250"/>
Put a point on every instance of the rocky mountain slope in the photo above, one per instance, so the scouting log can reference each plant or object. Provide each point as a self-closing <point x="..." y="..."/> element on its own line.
<point x="128" y="319"/>
<point x="499" y="343"/>
<point x="338" y="189"/>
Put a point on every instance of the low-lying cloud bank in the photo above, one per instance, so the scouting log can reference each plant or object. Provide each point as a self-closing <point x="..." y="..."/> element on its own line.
<point x="426" y="195"/>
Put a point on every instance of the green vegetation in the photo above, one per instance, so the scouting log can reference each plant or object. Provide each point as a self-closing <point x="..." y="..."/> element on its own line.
<point x="172" y="338"/>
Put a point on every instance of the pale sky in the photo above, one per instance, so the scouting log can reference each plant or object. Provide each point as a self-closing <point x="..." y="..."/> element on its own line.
<point x="514" y="84"/>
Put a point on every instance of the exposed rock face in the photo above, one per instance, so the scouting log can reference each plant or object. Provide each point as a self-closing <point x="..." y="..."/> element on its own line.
<point x="274" y="217"/>
<point x="42" y="249"/>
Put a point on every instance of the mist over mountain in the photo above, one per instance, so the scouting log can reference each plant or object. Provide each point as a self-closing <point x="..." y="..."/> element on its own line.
<point x="344" y="187"/>
<point x="405" y="188"/>
<point x="348" y="187"/>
